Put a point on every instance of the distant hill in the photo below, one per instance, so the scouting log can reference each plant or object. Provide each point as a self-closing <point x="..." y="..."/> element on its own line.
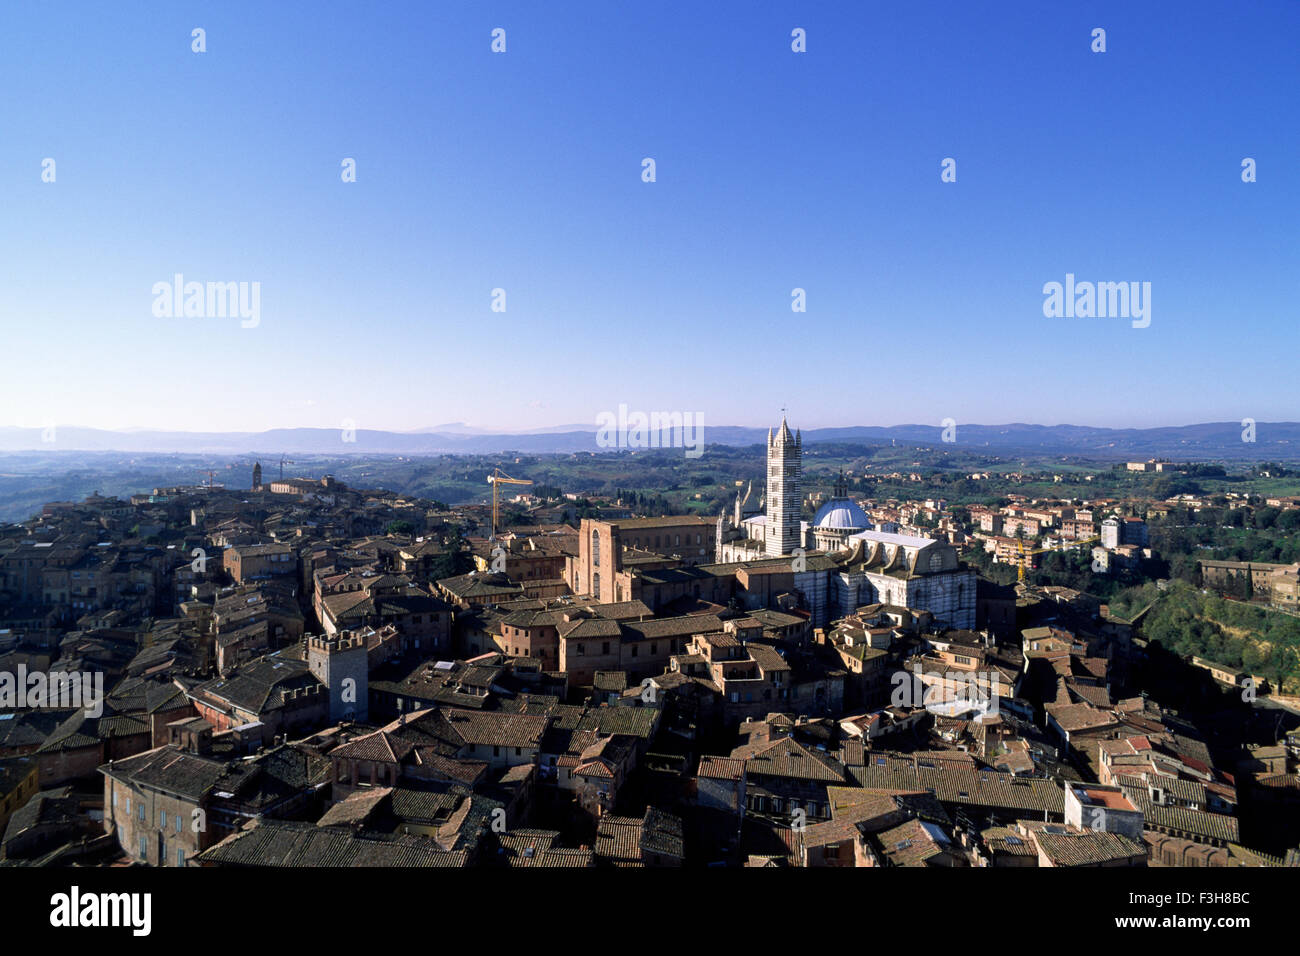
<point x="1212" y="440"/>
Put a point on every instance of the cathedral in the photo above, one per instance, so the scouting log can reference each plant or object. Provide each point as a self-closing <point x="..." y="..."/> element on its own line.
<point x="751" y="534"/>
<point x="857" y="564"/>
<point x="770" y="526"/>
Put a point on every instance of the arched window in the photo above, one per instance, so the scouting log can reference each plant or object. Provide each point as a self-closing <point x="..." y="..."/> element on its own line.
<point x="595" y="547"/>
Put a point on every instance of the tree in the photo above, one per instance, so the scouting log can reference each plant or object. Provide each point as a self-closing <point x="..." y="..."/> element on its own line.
<point x="1266" y="517"/>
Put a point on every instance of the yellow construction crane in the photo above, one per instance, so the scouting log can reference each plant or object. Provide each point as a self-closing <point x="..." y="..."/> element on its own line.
<point x="1024" y="553"/>
<point x="499" y="477"/>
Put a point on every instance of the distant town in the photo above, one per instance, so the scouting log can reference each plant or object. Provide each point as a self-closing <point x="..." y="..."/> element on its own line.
<point x="838" y="656"/>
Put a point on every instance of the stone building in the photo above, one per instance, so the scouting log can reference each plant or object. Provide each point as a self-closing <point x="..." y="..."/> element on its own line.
<point x="341" y="664"/>
<point x="600" y="567"/>
<point x="920" y="574"/>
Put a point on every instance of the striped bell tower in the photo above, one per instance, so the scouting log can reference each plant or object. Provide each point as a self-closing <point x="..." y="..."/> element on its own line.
<point x="784" y="469"/>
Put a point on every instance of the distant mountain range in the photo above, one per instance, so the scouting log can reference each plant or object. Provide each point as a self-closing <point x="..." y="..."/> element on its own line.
<point x="1213" y="440"/>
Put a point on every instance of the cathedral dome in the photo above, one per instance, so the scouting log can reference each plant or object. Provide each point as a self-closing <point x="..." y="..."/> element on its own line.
<point x="841" y="514"/>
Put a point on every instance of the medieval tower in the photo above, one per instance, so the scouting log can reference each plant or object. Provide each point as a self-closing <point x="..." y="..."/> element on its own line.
<point x="341" y="663"/>
<point x="784" y="468"/>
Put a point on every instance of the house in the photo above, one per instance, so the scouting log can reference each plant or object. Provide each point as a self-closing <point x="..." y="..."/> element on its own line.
<point x="787" y="780"/>
<point x="284" y="843"/>
<point x="260" y="562"/>
<point x="49" y="819"/>
<point x="1069" y="845"/>
<point x="1099" y="807"/>
<point x="653" y="840"/>
<point x="845" y="840"/>
<point x="19" y="780"/>
<point x="165" y="806"/>
<point x="442" y="745"/>
<point x="279" y="692"/>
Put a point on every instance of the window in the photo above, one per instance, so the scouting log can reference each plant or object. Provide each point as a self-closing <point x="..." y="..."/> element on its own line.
<point x="496" y="751"/>
<point x="634" y="650"/>
<point x="162" y="819"/>
<point x="141" y="814"/>
<point x="180" y="856"/>
<point x="519" y="752"/>
<point x="144" y="847"/>
<point x="595" y="547"/>
<point x="178" y="823"/>
<point x="604" y="647"/>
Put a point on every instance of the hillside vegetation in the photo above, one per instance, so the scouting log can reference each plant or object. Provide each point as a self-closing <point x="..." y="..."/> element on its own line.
<point x="1262" y="642"/>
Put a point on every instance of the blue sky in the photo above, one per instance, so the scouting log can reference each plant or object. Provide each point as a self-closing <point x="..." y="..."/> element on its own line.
<point x="522" y="171"/>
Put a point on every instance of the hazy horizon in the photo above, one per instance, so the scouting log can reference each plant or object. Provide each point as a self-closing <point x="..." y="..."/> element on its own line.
<point x="453" y="427"/>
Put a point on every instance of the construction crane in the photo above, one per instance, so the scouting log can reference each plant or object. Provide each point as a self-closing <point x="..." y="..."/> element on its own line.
<point x="499" y="477"/>
<point x="284" y="461"/>
<point x="1020" y="576"/>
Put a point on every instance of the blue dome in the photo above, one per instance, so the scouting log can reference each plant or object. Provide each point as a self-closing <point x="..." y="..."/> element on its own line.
<point x="841" y="514"/>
